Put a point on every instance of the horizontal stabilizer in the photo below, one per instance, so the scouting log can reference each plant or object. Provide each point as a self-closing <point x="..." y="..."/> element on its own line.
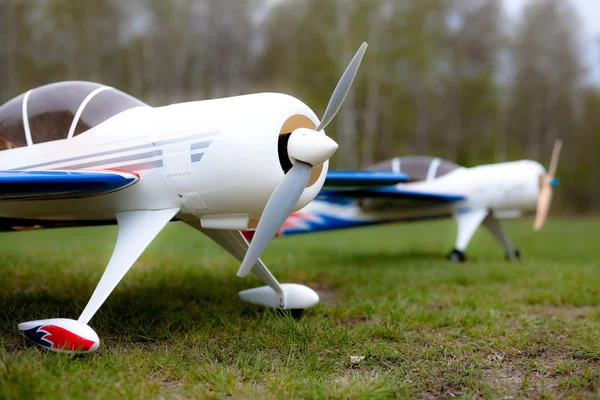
<point x="38" y="185"/>
<point x="362" y="179"/>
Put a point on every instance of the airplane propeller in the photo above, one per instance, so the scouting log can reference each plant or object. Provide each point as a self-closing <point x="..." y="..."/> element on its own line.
<point x="546" y="183"/>
<point x="306" y="149"/>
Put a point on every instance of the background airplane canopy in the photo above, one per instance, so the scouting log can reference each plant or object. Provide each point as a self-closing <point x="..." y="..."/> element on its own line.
<point x="418" y="168"/>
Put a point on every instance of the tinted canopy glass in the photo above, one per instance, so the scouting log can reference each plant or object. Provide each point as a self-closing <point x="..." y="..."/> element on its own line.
<point x="59" y="110"/>
<point x="418" y="168"/>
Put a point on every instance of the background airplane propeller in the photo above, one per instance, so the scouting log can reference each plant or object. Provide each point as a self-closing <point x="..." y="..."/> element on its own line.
<point x="306" y="149"/>
<point x="546" y="183"/>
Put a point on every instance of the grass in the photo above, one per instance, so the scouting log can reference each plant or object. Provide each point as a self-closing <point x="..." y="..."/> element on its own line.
<point x="175" y="328"/>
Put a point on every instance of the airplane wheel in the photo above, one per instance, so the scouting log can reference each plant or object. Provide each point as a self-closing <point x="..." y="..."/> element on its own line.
<point x="296" y="313"/>
<point x="515" y="256"/>
<point x="457" y="256"/>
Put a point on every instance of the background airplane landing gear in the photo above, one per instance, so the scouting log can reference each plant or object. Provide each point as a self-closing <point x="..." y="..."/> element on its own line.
<point x="456" y="256"/>
<point x="516" y="255"/>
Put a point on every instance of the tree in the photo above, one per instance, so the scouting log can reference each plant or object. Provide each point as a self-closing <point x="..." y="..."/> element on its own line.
<point x="474" y="41"/>
<point x="548" y="71"/>
<point x="15" y="60"/>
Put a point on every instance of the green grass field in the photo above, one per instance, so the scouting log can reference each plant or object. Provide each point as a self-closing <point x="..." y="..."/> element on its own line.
<point x="175" y="328"/>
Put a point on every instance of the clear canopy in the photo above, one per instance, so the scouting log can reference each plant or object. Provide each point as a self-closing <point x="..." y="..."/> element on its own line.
<point x="59" y="110"/>
<point x="418" y="168"/>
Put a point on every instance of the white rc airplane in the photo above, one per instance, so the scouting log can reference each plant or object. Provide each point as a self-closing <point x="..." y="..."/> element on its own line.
<point x="435" y="188"/>
<point x="79" y="153"/>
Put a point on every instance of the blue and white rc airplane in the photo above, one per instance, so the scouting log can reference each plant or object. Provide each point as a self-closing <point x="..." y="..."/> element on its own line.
<point x="481" y="195"/>
<point x="80" y="153"/>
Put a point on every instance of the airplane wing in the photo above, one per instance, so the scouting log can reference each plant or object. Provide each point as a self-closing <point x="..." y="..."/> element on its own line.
<point x="42" y="185"/>
<point x="398" y="195"/>
<point x="362" y="179"/>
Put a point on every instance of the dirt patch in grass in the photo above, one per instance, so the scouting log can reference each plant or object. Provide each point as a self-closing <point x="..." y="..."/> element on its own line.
<point x="443" y="386"/>
<point x="169" y="385"/>
<point x="15" y="345"/>
<point x="567" y="312"/>
<point x="518" y="377"/>
<point x="327" y="294"/>
<point x="354" y="373"/>
<point x="441" y="394"/>
<point x="528" y="375"/>
<point x="352" y="320"/>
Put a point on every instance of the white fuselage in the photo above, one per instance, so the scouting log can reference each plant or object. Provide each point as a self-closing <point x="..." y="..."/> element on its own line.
<point x="499" y="187"/>
<point x="215" y="159"/>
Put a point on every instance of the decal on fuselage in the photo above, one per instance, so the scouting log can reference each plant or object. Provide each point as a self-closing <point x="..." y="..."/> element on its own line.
<point x="117" y="159"/>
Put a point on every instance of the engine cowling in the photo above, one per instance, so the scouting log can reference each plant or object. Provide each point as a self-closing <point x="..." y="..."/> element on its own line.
<point x="247" y="157"/>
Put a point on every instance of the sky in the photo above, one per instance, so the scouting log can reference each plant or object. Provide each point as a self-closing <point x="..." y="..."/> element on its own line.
<point x="589" y="14"/>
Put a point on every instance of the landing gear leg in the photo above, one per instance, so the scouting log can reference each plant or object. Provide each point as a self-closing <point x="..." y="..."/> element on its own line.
<point x="136" y="230"/>
<point x="493" y="225"/>
<point x="468" y="220"/>
<point x="291" y="297"/>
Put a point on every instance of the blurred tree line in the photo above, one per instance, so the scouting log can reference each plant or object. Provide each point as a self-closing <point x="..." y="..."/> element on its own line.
<point x="450" y="78"/>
